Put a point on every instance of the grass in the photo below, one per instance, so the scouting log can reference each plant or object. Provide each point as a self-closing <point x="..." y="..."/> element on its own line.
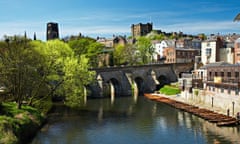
<point x="170" y="90"/>
<point x="16" y="124"/>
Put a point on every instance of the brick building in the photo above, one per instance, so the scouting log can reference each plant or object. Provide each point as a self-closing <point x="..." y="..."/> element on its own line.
<point x="223" y="78"/>
<point x="180" y="55"/>
<point x="237" y="50"/>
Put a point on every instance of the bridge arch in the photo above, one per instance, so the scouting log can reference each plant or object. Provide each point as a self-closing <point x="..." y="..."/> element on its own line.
<point x="139" y="86"/>
<point x="163" y="80"/>
<point x="115" y="87"/>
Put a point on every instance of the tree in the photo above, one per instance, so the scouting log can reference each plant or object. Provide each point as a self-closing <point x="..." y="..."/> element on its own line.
<point x="33" y="71"/>
<point x="145" y="49"/>
<point x="88" y="47"/>
<point x="94" y="49"/>
<point x="130" y="54"/>
<point x="80" y="46"/>
<point x="76" y="76"/>
<point x="19" y="65"/>
<point x="118" y="55"/>
<point x="66" y="74"/>
<point x="124" y="54"/>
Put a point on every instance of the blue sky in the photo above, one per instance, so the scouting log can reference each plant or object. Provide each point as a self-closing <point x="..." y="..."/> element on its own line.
<point x="107" y="17"/>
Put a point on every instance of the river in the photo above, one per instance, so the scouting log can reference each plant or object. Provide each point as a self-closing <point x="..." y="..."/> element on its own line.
<point x="128" y="120"/>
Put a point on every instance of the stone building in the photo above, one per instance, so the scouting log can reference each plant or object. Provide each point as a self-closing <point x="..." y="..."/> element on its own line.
<point x="52" y="31"/>
<point x="141" y="29"/>
<point x="112" y="42"/>
<point x="105" y="58"/>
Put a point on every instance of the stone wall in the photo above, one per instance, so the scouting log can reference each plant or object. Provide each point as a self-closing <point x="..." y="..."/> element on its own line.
<point x="213" y="101"/>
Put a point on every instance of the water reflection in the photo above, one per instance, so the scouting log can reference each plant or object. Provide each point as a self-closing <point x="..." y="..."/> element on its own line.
<point x="128" y="121"/>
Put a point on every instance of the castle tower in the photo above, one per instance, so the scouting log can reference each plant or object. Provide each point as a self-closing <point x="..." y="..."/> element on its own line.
<point x="141" y="29"/>
<point x="52" y="31"/>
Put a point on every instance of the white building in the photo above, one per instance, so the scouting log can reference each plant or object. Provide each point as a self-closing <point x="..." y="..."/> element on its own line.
<point x="211" y="50"/>
<point x="227" y="53"/>
<point x="159" y="47"/>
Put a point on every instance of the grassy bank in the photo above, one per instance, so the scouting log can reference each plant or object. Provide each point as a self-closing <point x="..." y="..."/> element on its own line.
<point x="170" y="90"/>
<point x="18" y="125"/>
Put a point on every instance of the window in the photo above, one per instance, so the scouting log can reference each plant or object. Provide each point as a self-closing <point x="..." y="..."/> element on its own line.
<point x="222" y="74"/>
<point x="238" y="45"/>
<point x="216" y="73"/>
<point x="229" y="74"/>
<point x="236" y="91"/>
<point x="222" y="90"/>
<point x="236" y="74"/>
<point x="229" y="90"/>
<point x="208" y="51"/>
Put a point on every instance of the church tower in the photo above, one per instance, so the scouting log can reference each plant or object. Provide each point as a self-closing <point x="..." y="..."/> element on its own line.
<point x="52" y="31"/>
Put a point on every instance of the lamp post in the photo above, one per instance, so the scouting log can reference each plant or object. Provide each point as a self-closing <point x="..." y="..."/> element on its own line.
<point x="212" y="101"/>
<point x="233" y="108"/>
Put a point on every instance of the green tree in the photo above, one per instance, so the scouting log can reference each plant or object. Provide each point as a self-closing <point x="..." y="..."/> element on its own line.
<point x="66" y="74"/>
<point x="33" y="71"/>
<point x="76" y="76"/>
<point x="19" y="65"/>
<point x="88" y="47"/>
<point x="94" y="49"/>
<point x="145" y="49"/>
<point x="118" y="55"/>
<point x="80" y="46"/>
<point x="124" y="54"/>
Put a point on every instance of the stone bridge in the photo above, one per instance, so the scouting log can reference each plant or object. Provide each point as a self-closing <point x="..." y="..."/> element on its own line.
<point x="135" y="80"/>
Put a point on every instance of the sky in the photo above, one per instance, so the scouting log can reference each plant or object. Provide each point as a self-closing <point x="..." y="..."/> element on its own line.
<point x="105" y="18"/>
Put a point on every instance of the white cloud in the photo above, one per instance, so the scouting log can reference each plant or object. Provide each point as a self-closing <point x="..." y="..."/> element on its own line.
<point x="206" y="27"/>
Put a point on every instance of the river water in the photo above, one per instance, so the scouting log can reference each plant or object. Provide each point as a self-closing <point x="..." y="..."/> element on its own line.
<point x="127" y="120"/>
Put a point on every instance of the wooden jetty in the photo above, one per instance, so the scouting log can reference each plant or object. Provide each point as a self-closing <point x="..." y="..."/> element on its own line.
<point x="211" y="116"/>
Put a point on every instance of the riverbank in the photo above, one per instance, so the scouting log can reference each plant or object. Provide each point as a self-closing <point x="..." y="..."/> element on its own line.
<point x="205" y="113"/>
<point x="19" y="125"/>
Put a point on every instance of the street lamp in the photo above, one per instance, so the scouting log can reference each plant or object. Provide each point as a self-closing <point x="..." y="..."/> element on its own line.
<point x="212" y="101"/>
<point x="233" y="108"/>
